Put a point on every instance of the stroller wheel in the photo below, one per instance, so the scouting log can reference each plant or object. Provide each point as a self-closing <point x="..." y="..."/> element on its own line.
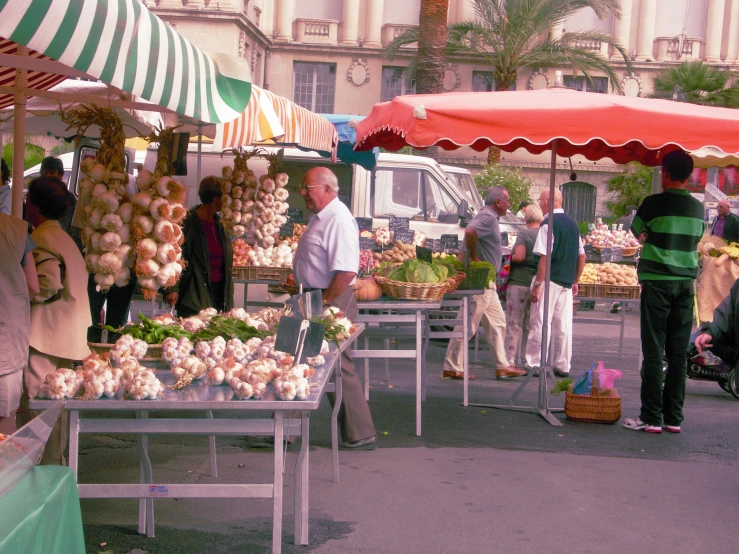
<point x="724" y="385"/>
<point x="733" y="383"/>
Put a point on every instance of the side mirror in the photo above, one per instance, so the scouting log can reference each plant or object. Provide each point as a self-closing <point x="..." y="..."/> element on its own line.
<point x="463" y="212"/>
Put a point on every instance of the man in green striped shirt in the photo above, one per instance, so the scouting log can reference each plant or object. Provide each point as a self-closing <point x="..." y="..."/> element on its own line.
<point x="669" y="225"/>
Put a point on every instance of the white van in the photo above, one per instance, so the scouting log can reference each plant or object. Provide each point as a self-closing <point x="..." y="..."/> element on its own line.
<point x="71" y="160"/>
<point x="464" y="181"/>
<point x="402" y="186"/>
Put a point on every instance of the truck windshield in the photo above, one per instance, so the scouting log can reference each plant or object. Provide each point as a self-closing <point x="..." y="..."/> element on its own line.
<point x="466" y="184"/>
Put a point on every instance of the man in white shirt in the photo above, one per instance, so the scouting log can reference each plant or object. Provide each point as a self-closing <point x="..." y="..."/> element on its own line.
<point x="327" y="258"/>
<point x="568" y="262"/>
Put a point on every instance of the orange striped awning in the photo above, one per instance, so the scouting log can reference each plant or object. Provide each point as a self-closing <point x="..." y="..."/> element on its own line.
<point x="36" y="79"/>
<point x="290" y="124"/>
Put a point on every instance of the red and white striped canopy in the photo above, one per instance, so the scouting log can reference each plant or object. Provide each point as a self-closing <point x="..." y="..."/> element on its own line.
<point x="36" y="79"/>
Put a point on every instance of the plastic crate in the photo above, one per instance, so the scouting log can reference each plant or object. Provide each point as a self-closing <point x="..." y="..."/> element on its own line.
<point x="619" y="291"/>
<point x="475" y="279"/>
<point x="587" y="290"/>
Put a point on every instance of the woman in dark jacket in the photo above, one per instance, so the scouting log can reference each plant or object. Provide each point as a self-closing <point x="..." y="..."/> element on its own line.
<point x="206" y="281"/>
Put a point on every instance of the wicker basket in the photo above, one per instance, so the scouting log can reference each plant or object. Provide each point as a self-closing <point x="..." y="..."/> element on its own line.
<point x="593" y="408"/>
<point x="412" y="291"/>
<point x="260" y="273"/>
<point x="153" y="353"/>
<point x="626" y="252"/>
<point x="476" y="278"/>
<point x="455" y="282"/>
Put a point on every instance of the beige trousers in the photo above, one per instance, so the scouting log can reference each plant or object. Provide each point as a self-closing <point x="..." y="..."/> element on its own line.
<point x="485" y="310"/>
<point x="517" y="316"/>
<point x="560" y="328"/>
<point x="39" y="366"/>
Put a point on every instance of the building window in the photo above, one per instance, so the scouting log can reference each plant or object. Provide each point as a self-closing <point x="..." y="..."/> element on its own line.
<point x="599" y="84"/>
<point x="482" y="81"/>
<point x="579" y="201"/>
<point x="246" y="7"/>
<point x="314" y="86"/>
<point x="257" y="16"/>
<point x="394" y="83"/>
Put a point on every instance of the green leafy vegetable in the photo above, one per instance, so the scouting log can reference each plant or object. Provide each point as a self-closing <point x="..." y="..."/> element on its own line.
<point x="227" y="328"/>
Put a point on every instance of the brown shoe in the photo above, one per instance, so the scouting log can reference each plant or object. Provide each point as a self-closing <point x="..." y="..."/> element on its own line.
<point x="509" y="373"/>
<point x="451" y="374"/>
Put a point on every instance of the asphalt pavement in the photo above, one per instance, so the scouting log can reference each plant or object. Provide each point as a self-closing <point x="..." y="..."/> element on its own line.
<point x="477" y="480"/>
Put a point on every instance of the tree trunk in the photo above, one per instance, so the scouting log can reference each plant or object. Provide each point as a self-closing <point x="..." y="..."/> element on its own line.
<point x="431" y="63"/>
<point x="494" y="151"/>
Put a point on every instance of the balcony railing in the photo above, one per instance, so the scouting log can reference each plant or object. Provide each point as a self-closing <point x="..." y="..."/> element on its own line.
<point x="670" y="49"/>
<point x="392" y="31"/>
<point x="318" y="31"/>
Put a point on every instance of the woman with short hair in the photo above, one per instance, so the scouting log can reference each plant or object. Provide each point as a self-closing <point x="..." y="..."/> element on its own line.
<point x="206" y="281"/>
<point x="524" y="264"/>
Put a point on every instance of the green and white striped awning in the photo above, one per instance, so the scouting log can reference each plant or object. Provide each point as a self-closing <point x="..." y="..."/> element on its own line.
<point x="123" y="44"/>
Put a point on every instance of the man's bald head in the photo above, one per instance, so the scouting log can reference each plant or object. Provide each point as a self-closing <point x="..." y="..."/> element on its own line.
<point x="544" y="200"/>
<point x="322" y="176"/>
<point x="723" y="208"/>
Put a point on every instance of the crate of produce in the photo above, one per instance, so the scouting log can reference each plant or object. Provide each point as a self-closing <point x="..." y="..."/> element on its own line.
<point x="261" y="273"/>
<point x="454" y="283"/>
<point x="588" y="290"/>
<point x="618" y="291"/>
<point x="595" y="407"/>
<point x="476" y="278"/>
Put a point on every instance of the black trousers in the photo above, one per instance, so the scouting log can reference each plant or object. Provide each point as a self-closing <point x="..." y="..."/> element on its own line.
<point x="666" y="322"/>
<point x="119" y="302"/>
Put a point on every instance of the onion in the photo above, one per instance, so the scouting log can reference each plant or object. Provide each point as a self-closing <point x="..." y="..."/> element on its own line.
<point x="109" y="263"/>
<point x="166" y="253"/>
<point x="108" y="202"/>
<point x="162" y="189"/>
<point x="99" y="189"/>
<point x="164" y="231"/>
<point x="91" y="262"/>
<point x="146" y="268"/>
<point x="160" y="209"/>
<point x="125" y="210"/>
<point x="104" y="281"/>
<point x="142" y="200"/>
<point x="111" y="222"/>
<point x="167" y="276"/>
<point x="146" y="248"/>
<point x="144" y="179"/>
<point x="110" y="241"/>
<point x="178" y="213"/>
<point x="98" y="172"/>
<point x="85" y="187"/>
<point x="95" y="241"/>
<point x="125" y="233"/>
<point x="227" y="172"/>
<point x="123" y="253"/>
<point x="95" y="218"/>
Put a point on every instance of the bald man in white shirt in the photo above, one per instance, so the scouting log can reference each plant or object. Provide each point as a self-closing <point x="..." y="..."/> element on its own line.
<point x="327" y="258"/>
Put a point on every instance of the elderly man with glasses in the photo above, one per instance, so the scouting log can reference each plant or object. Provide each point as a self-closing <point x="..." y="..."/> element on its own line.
<point x="327" y="259"/>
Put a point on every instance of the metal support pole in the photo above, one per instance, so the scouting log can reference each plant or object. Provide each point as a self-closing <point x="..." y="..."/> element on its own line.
<point x="19" y="135"/>
<point x="200" y="154"/>
<point x="542" y="405"/>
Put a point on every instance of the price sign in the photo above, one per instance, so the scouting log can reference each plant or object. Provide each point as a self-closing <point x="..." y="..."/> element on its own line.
<point x="433" y="244"/>
<point x="423" y="254"/>
<point x="449" y="243"/>
<point x="398" y="224"/>
<point x="367" y="243"/>
<point x="611" y="254"/>
<point x="364" y="223"/>
<point x="405" y="236"/>
<point x="295" y="215"/>
<point x="287" y="229"/>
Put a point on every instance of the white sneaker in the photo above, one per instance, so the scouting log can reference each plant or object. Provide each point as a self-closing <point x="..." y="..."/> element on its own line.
<point x="638" y="425"/>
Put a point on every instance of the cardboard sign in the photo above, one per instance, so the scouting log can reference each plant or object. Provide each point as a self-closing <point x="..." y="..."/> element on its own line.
<point x="611" y="254"/>
<point x="405" y="236"/>
<point x="367" y="243"/>
<point x="398" y="224"/>
<point x="364" y="223"/>
<point x="287" y="229"/>
<point x="449" y="243"/>
<point x="295" y="215"/>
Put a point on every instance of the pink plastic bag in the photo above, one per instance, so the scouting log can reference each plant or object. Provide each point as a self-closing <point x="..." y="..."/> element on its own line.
<point x="606" y="377"/>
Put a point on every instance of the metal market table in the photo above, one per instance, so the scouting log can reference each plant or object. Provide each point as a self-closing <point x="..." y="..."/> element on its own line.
<point x="202" y="397"/>
<point x="258" y="303"/>
<point x="459" y="299"/>
<point x="397" y="318"/>
<point x="605" y="321"/>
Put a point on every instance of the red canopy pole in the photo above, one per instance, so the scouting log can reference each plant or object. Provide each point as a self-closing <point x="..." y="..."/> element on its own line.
<point x="19" y="132"/>
<point x="545" y="361"/>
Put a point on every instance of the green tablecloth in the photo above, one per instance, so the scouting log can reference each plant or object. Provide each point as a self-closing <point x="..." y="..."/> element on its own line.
<point x="41" y="514"/>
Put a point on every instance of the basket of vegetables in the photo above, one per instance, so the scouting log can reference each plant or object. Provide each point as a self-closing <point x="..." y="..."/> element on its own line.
<point x="416" y="280"/>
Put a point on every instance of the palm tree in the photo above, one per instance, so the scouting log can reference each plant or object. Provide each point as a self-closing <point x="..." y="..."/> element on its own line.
<point x="432" y="39"/>
<point x="697" y="83"/>
<point x="510" y="35"/>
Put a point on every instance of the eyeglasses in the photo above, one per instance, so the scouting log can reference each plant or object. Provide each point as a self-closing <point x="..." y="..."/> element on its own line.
<point x="306" y="187"/>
